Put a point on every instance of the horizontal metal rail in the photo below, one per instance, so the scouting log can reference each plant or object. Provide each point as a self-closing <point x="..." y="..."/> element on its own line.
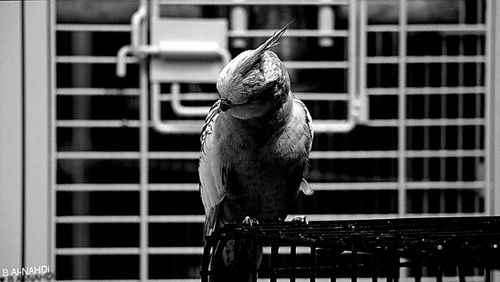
<point x="379" y="91"/>
<point x="375" y="91"/>
<point x="94" y="27"/>
<point x="459" y="28"/>
<point x="289" y="33"/>
<point x="453" y="28"/>
<point x="426" y="122"/>
<point x="201" y="218"/>
<point x="97" y="251"/>
<point x="93" y="60"/>
<point x="130" y="219"/>
<point x="97" y="187"/>
<point x="196" y="126"/>
<point x="160" y="251"/>
<point x="97" y="92"/>
<point x="313" y="155"/>
<point x="317" y="186"/>
<point x="133" y="60"/>
<point x="231" y="33"/>
<point x="426" y="59"/>
<point x="98" y="219"/>
<point x="255" y="2"/>
<point x="305" y="96"/>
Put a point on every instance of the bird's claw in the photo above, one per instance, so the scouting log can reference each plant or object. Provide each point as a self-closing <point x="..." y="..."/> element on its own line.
<point x="249" y="221"/>
<point x="300" y="219"/>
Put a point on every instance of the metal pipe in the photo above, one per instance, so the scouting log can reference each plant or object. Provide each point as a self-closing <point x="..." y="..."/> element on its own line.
<point x="239" y="23"/>
<point x="402" y="109"/>
<point x="168" y="127"/>
<point x="184" y="111"/>
<point x="326" y="21"/>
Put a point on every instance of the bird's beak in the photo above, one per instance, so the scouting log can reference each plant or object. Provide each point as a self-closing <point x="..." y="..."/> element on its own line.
<point x="225" y="105"/>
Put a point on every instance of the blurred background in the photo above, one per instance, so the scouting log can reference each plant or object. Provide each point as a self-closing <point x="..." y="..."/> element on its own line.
<point x="403" y="93"/>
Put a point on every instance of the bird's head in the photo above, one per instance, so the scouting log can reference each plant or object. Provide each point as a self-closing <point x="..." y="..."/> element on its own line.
<point x="255" y="82"/>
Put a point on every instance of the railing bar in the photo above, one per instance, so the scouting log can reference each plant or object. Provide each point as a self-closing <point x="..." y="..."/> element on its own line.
<point x="94" y="27"/>
<point x="442" y="130"/>
<point x="461" y="79"/>
<point x="426" y="129"/>
<point x="97" y="91"/>
<point x="289" y="33"/>
<point x="447" y="27"/>
<point x="97" y="123"/>
<point x="96" y="187"/>
<point x="97" y="251"/>
<point x="92" y="60"/>
<point x="428" y="90"/>
<point x="97" y="155"/>
<point x="318" y="186"/>
<point x="131" y="219"/>
<point x="175" y="250"/>
<point x="426" y="122"/>
<point x="176" y="218"/>
<point x="133" y="60"/>
<point x="254" y="2"/>
<point x="307" y="96"/>
<point x="402" y="118"/>
<point x="196" y="124"/>
<point x="424" y="185"/>
<point x="373" y="122"/>
<point x="461" y="28"/>
<point x="316" y="64"/>
<point x="314" y="155"/>
<point x="426" y="59"/>
<point x="97" y="219"/>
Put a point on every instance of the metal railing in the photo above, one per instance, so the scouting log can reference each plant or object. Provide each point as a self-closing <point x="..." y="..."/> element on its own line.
<point x="411" y="176"/>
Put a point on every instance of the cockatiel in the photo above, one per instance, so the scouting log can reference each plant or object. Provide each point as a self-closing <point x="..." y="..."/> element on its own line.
<point x="254" y="146"/>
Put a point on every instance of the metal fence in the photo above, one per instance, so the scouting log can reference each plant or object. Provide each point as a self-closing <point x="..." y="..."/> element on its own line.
<point x="126" y="197"/>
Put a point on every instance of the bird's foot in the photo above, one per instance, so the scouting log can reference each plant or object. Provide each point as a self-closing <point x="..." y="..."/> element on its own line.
<point x="250" y="221"/>
<point x="300" y="219"/>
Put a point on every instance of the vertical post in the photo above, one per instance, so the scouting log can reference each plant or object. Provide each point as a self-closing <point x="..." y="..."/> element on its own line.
<point x="239" y="22"/>
<point x="326" y="20"/>
<point x="492" y="146"/>
<point x="52" y="141"/>
<point x="37" y="158"/>
<point x="144" y="161"/>
<point x="402" y="109"/>
<point x="10" y="134"/>
<point x="353" y="56"/>
<point x="363" y="54"/>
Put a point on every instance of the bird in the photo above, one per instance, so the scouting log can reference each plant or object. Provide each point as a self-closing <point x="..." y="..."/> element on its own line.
<point x="255" y="145"/>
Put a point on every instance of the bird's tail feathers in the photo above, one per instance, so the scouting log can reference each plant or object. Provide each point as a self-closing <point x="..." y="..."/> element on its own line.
<point x="306" y="188"/>
<point x="210" y="222"/>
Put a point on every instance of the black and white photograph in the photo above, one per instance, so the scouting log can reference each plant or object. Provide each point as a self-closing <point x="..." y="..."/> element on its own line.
<point x="250" y="140"/>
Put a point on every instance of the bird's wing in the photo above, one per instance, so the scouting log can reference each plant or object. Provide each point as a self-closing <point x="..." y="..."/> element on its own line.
<point x="309" y="136"/>
<point x="210" y="169"/>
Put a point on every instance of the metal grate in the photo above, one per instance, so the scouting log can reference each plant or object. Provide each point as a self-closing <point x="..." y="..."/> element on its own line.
<point x="122" y="189"/>
<point x="439" y="247"/>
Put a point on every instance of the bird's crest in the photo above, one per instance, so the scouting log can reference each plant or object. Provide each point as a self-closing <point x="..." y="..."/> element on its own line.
<point x="271" y="42"/>
<point x="235" y="82"/>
